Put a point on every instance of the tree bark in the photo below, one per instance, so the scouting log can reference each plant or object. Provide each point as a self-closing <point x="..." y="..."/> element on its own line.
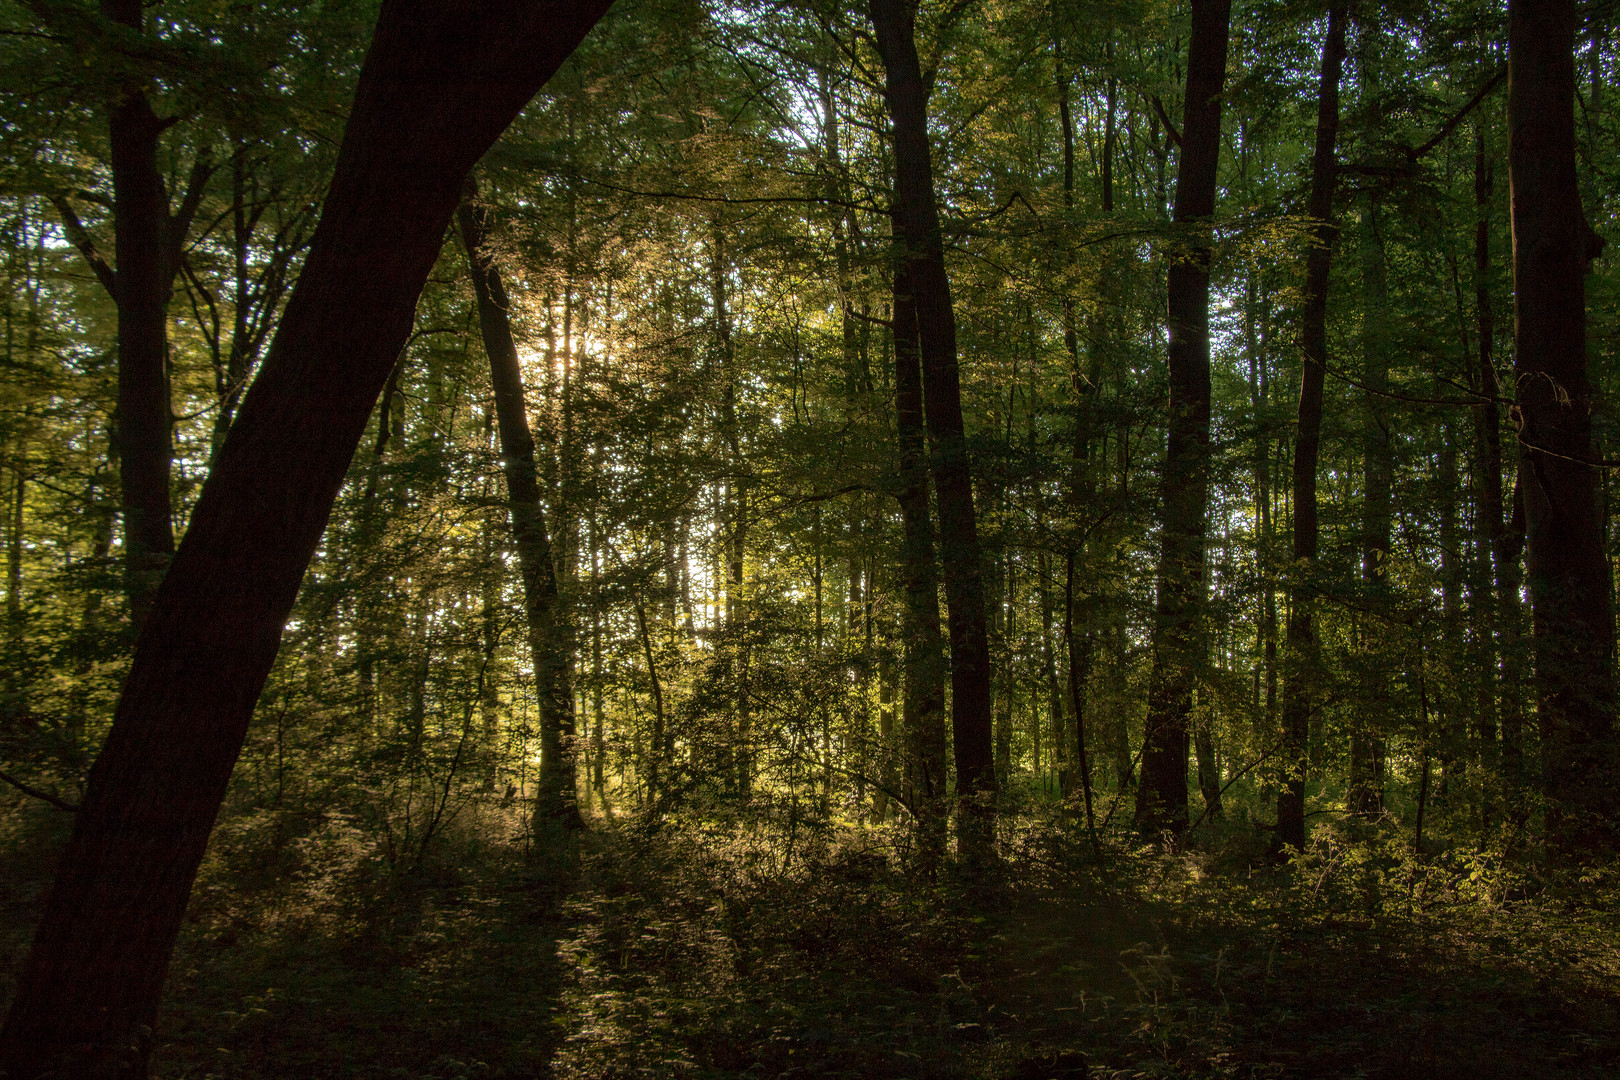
<point x="439" y="85"/>
<point x="917" y="216"/>
<point x="1161" y="802"/>
<point x="1565" y="565"/>
<point x="1300" y="636"/>
<point x="557" y="798"/>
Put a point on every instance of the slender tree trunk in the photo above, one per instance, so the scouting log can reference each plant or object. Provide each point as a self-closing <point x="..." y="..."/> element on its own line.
<point x="1565" y="565"/>
<point x="1511" y="622"/>
<point x="924" y="697"/>
<point x="1078" y="642"/>
<point x="146" y="257"/>
<point x="437" y="87"/>
<point x="1490" y="527"/>
<point x="1260" y="398"/>
<point x="1366" y="790"/>
<point x="1058" y="728"/>
<point x="598" y="734"/>
<point x="557" y="797"/>
<point x="660" y="732"/>
<point x="1178" y="623"/>
<point x="918" y="218"/>
<point x="1450" y="733"/>
<point x="15" y="666"/>
<point x="1301" y="634"/>
<point x="737" y="516"/>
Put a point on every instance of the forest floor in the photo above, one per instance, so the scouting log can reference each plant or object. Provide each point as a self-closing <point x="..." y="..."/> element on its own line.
<point x="736" y="949"/>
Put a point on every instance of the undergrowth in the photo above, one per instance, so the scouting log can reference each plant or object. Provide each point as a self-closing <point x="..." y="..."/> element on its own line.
<point x="740" y="945"/>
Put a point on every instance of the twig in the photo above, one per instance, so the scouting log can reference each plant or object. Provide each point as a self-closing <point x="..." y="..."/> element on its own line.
<point x="1240" y="774"/>
<point x="44" y="796"/>
<point x="1164" y="117"/>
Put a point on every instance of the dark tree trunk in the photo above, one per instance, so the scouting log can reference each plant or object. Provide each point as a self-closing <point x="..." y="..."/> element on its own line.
<point x="440" y="83"/>
<point x="557" y="799"/>
<point x="1568" y="574"/>
<point x="917" y="216"/>
<point x="147" y="244"/>
<point x="141" y="215"/>
<point x="1301" y="635"/>
<point x="1161" y="802"/>
<point x="924" y="695"/>
<point x="144" y="281"/>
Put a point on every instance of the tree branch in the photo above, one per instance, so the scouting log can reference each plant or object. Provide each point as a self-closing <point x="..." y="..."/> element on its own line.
<point x="1412" y="154"/>
<point x="180" y="221"/>
<point x="79" y="238"/>
<point x="1164" y="118"/>
<point x="44" y="796"/>
<point x="1457" y="118"/>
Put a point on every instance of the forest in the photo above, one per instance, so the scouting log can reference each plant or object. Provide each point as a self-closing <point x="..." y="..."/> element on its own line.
<point x="1025" y="539"/>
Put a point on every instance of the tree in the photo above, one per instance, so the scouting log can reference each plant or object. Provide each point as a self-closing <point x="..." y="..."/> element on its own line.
<point x="148" y="241"/>
<point x="1297" y="703"/>
<point x="439" y="85"/>
<point x="557" y="800"/>
<point x="1566" y="569"/>
<point x="1184" y="490"/>
<point x="917" y="216"/>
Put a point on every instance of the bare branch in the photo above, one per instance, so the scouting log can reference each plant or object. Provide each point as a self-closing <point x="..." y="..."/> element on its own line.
<point x="79" y="238"/>
<point x="43" y="796"/>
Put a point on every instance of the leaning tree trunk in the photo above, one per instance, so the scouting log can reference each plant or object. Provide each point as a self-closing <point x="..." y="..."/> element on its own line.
<point x="1565" y="565"/>
<point x="439" y="85"/>
<point x="1161" y="802"/>
<point x="1301" y="635"/>
<point x="924" y="695"/>
<point x="917" y="217"/>
<point x="557" y="800"/>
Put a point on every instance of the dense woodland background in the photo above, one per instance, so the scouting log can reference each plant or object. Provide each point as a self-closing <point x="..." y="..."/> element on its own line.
<point x="673" y="795"/>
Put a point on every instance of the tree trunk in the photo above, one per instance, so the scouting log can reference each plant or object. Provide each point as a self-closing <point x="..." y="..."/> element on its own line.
<point x="1490" y="529"/>
<point x="146" y="250"/>
<point x="438" y="86"/>
<point x="1568" y="574"/>
<point x="557" y="798"/>
<point x="1300" y="635"/>
<point x="1177" y="631"/>
<point x="1366" y="790"/>
<point x="15" y="638"/>
<point x="917" y="216"/>
<point x="924" y="697"/>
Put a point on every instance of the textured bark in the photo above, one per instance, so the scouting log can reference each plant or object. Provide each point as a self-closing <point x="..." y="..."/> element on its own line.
<point x="557" y="797"/>
<point x="1565" y="566"/>
<point x="439" y="85"/>
<point x="1300" y="635"/>
<point x="924" y="695"/>
<point x="1161" y="802"/>
<point x="917" y="216"/>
